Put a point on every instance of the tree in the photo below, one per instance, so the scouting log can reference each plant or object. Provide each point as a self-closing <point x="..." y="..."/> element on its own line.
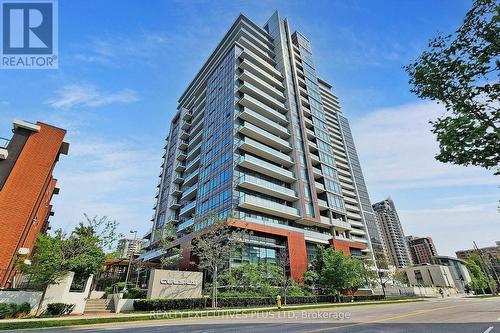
<point x="479" y="281"/>
<point x="252" y="280"/>
<point x="47" y="265"/>
<point x="334" y="272"/>
<point x="81" y="252"/>
<point x="461" y="71"/>
<point x="283" y="261"/>
<point x="213" y="245"/>
<point x="166" y="238"/>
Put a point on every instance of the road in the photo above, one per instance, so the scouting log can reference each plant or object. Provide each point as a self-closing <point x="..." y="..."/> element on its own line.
<point x="439" y="316"/>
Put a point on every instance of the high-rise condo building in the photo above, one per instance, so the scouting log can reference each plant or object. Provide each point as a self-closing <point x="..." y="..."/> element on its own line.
<point x="392" y="233"/>
<point x="258" y="136"/>
<point x="27" y="160"/>
<point x="422" y="249"/>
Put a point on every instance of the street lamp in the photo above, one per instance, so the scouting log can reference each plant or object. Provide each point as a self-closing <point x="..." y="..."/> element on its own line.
<point x="129" y="261"/>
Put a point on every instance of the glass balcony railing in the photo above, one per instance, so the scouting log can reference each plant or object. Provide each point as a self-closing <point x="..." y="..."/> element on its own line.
<point x="4" y="142"/>
<point x="268" y="152"/>
<point x="267" y="184"/>
<point x="266" y="165"/>
<point x="186" y="224"/>
<point x="188" y="208"/>
<point x="279" y="209"/>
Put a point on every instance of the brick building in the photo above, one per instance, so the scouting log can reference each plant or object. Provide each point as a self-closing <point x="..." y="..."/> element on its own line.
<point x="26" y="188"/>
<point x="422" y="249"/>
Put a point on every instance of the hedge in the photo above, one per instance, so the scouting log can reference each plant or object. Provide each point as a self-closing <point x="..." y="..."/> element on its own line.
<point x="240" y="302"/>
<point x="12" y="310"/>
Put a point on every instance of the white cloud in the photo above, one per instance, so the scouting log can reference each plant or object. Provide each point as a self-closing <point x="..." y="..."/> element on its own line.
<point x="106" y="177"/>
<point x="88" y="95"/>
<point x="116" y="50"/>
<point x="454" y="228"/>
<point x="397" y="151"/>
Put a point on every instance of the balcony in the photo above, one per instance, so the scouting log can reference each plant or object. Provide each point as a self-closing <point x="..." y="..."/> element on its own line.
<point x="185" y="125"/>
<point x="315" y="159"/>
<point x="259" y="107"/>
<point x="178" y="178"/>
<point x="266" y="168"/>
<point x="260" y="149"/>
<point x="187" y="116"/>
<point x="174" y="204"/>
<point x="268" y="207"/>
<point x="323" y="205"/>
<point x="359" y="239"/>
<point x="189" y="193"/>
<point x="183" y="144"/>
<point x="339" y="224"/>
<point x="188" y="209"/>
<point x="181" y="156"/>
<point x="180" y="166"/>
<point x="176" y="191"/>
<point x="186" y="224"/>
<point x="264" y="136"/>
<point x="172" y="219"/>
<point x="262" y="64"/>
<point x="358" y="232"/>
<point x="192" y="165"/>
<point x="312" y="146"/>
<point x="317" y="173"/>
<point x="263" y="186"/>
<point x="191" y="178"/>
<point x="184" y="135"/>
<point x="249" y="66"/>
<point x="320" y="188"/>
<point x="193" y="152"/>
<point x="195" y="140"/>
<point x="263" y="122"/>
<point x="267" y="99"/>
<point x="264" y="86"/>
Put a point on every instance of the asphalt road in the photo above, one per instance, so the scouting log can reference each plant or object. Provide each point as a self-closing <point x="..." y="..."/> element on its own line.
<point x="439" y="316"/>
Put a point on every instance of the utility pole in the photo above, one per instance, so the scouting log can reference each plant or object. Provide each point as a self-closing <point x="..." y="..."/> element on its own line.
<point x="130" y="261"/>
<point x="485" y="269"/>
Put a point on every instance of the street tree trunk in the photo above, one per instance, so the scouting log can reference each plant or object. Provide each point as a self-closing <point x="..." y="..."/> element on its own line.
<point x="40" y="303"/>
<point x="214" y="288"/>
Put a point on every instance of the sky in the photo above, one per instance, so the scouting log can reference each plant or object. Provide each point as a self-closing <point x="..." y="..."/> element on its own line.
<point x="123" y="66"/>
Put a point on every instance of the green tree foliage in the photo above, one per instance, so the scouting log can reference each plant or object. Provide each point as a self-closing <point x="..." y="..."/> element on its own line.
<point x="334" y="272"/>
<point x="166" y="238"/>
<point x="252" y="280"/>
<point x="479" y="280"/>
<point x="213" y="244"/>
<point x="461" y="71"/>
<point x="81" y="252"/>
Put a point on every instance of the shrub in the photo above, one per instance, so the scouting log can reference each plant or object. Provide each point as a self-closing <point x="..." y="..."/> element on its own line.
<point x="59" y="309"/>
<point x="225" y="302"/>
<point x="14" y="310"/>
<point x="135" y="293"/>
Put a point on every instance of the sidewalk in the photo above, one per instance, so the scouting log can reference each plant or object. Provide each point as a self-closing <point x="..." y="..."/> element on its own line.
<point x="193" y="313"/>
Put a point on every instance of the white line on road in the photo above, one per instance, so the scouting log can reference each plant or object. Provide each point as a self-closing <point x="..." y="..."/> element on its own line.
<point x="488" y="330"/>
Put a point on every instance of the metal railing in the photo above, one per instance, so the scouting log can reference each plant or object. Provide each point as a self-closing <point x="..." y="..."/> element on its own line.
<point x="4" y="142"/>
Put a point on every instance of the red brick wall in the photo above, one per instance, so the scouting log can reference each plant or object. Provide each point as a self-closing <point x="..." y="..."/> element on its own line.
<point x="27" y="192"/>
<point x="344" y="246"/>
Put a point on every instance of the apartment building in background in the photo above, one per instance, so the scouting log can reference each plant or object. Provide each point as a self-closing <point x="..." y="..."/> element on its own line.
<point x="490" y="254"/>
<point x="127" y="247"/>
<point x="27" y="160"/>
<point x="422" y="249"/>
<point x="259" y="137"/>
<point x="392" y="233"/>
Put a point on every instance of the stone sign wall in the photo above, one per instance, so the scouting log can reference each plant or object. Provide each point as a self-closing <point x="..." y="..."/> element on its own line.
<point x="174" y="284"/>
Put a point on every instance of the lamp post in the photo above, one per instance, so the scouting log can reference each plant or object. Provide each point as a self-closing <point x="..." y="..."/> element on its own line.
<point x="129" y="261"/>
